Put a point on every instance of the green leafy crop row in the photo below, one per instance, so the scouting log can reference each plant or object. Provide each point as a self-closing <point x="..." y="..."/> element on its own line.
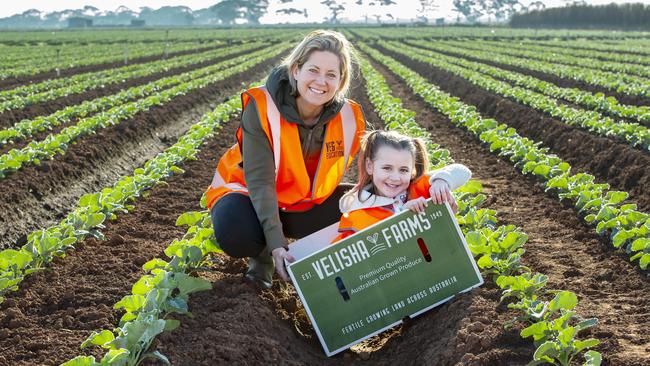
<point x="552" y="323"/>
<point x="567" y="57"/>
<point x="155" y="296"/>
<point x="75" y="56"/>
<point x="592" y="121"/>
<point x="58" y="143"/>
<point x="627" y="227"/>
<point x="47" y="90"/>
<point x="162" y="292"/>
<point x="94" y="209"/>
<point x="605" y="51"/>
<point x="607" y="104"/>
<point x="612" y="81"/>
<point x="26" y="128"/>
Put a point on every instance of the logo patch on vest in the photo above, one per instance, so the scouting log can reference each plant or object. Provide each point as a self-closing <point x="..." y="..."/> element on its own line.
<point x="334" y="149"/>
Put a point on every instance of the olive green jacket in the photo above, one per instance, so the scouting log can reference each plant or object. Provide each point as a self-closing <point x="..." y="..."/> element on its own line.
<point x="259" y="168"/>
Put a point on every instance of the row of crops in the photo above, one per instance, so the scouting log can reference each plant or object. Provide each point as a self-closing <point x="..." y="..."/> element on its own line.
<point x="554" y="324"/>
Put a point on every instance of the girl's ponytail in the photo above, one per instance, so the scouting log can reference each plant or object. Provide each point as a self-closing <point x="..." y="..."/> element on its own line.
<point x="365" y="152"/>
<point x="421" y="158"/>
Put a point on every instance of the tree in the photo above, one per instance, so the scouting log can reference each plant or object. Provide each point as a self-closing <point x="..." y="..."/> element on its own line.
<point x="474" y="9"/>
<point x="502" y="9"/>
<point x="536" y="5"/>
<point x="574" y="2"/>
<point x="425" y="7"/>
<point x="255" y="9"/>
<point x="379" y="12"/>
<point x="335" y="8"/>
<point x="228" y="11"/>
<point x="289" y="11"/>
<point x="470" y="9"/>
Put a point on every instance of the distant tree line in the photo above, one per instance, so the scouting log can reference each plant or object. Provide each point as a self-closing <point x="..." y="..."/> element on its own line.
<point x="612" y="16"/>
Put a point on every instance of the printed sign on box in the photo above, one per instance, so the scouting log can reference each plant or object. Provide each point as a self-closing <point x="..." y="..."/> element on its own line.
<point x="370" y="281"/>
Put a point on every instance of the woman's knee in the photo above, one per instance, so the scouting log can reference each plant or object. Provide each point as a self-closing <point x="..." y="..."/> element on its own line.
<point x="236" y="227"/>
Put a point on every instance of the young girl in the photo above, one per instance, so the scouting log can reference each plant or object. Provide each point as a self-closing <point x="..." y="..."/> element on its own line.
<point x="392" y="178"/>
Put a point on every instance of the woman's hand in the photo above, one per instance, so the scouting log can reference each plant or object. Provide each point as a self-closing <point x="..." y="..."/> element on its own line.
<point x="440" y="193"/>
<point x="279" y="255"/>
<point x="416" y="205"/>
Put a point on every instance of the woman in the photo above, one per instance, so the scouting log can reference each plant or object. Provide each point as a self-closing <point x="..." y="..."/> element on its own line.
<point x="297" y="137"/>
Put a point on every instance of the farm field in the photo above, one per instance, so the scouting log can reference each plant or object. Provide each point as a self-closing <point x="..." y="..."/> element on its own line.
<point x="99" y="158"/>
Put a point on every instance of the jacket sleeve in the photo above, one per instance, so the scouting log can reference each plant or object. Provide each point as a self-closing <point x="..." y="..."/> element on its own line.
<point x="259" y="171"/>
<point x="455" y="175"/>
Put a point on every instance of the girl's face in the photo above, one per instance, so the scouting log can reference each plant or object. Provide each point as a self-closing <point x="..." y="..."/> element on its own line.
<point x="319" y="78"/>
<point x="391" y="171"/>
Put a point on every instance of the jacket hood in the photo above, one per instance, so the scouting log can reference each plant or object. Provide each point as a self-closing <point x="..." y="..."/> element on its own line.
<point x="279" y="88"/>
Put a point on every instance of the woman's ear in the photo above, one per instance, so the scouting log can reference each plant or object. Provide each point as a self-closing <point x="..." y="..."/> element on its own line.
<point x="369" y="166"/>
<point x="294" y="71"/>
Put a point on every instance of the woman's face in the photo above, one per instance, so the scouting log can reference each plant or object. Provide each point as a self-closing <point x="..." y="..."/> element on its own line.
<point x="319" y="78"/>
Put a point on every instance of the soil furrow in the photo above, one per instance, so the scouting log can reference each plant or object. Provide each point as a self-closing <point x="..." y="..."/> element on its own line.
<point x="10" y="117"/>
<point x="21" y="80"/>
<point x="560" y="245"/>
<point x="622" y="166"/>
<point x="55" y="310"/>
<point x="237" y="324"/>
<point x="39" y="196"/>
<point x="41" y="135"/>
<point x="559" y="81"/>
<point x="572" y="104"/>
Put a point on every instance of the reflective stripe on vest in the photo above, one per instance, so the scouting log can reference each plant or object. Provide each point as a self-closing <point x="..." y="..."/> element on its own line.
<point x="294" y="192"/>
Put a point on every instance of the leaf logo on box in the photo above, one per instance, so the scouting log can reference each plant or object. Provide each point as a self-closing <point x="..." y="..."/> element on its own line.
<point x="376" y="247"/>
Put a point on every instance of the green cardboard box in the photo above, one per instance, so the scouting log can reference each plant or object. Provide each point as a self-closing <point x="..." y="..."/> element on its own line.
<point x="370" y="281"/>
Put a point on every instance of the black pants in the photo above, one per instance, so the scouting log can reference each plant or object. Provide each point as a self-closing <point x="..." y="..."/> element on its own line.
<point x="240" y="234"/>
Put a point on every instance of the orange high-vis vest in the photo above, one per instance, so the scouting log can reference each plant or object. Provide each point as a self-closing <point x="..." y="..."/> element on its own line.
<point x="360" y="219"/>
<point x="295" y="189"/>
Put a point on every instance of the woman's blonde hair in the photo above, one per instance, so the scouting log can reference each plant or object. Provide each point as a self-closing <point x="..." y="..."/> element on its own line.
<point x="323" y="40"/>
<point x="374" y="140"/>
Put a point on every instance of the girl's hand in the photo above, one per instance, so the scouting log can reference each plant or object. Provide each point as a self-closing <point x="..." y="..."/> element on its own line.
<point x="279" y="255"/>
<point x="440" y="193"/>
<point x="416" y="205"/>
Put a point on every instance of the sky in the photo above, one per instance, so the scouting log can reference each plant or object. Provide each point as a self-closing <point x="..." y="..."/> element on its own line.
<point x="405" y="9"/>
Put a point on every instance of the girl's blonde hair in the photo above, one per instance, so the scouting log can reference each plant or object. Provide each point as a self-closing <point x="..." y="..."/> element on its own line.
<point x="323" y="40"/>
<point x="374" y="140"/>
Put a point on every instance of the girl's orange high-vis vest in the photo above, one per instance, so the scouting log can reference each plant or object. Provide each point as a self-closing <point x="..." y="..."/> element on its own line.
<point x="295" y="189"/>
<point x="360" y="219"/>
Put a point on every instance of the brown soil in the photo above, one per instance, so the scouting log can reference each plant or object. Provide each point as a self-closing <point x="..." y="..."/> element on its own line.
<point x="98" y="93"/>
<point x="22" y="80"/>
<point x="616" y="163"/>
<point x="562" y="82"/>
<point x="236" y="323"/>
<point x="10" y="117"/>
<point x="39" y="196"/>
<point x="560" y="245"/>
<point x="55" y="310"/>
